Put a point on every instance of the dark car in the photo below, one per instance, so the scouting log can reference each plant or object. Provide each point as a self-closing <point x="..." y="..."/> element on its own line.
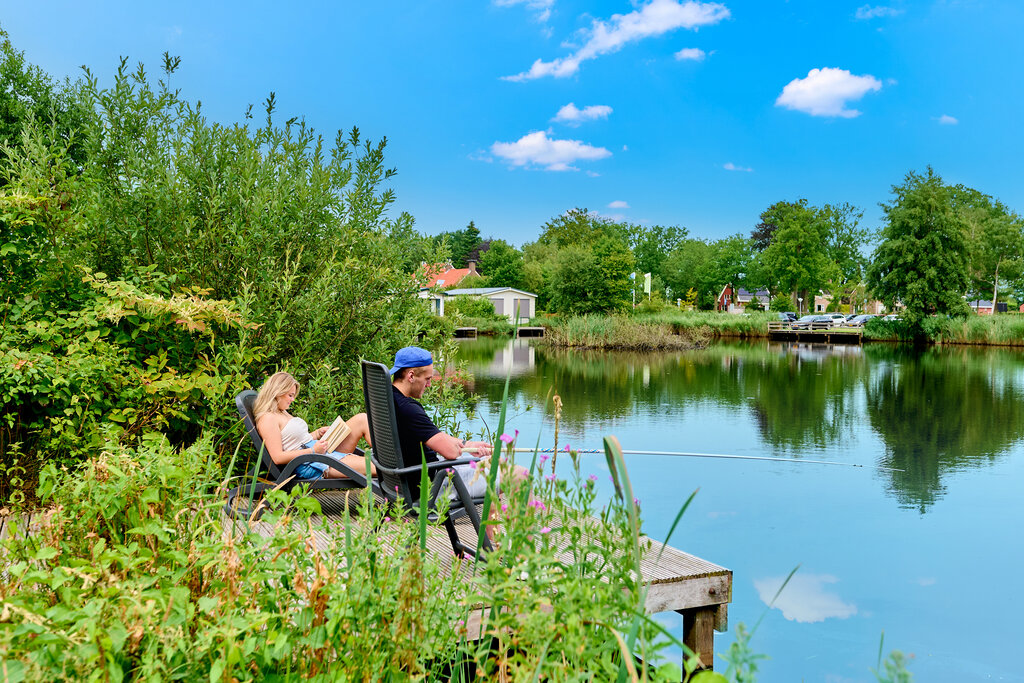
<point x="804" y="322"/>
<point x="860" y="320"/>
<point x="787" y="316"/>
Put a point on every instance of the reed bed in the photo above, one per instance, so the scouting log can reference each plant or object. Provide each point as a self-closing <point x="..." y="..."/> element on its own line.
<point x="622" y="332"/>
<point x="975" y="330"/>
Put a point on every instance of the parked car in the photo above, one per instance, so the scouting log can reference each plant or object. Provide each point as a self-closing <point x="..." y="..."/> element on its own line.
<point x="804" y="322"/>
<point x="787" y="316"/>
<point x="891" y="317"/>
<point x="837" y="319"/>
<point x="860" y="320"/>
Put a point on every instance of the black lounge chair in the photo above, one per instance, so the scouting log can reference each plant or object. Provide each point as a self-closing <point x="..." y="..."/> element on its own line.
<point x="397" y="482"/>
<point x="244" y="500"/>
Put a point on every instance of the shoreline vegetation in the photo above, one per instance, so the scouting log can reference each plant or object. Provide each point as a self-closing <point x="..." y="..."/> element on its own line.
<point x="671" y="330"/>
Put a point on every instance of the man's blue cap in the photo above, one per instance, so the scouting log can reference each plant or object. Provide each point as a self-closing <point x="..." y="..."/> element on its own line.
<point x="411" y="357"/>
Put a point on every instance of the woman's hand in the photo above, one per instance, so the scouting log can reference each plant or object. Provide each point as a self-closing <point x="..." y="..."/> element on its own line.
<point x="319" y="434"/>
<point x="320" y="446"/>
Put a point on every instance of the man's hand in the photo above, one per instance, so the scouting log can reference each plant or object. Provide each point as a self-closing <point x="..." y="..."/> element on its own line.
<point x="481" y="448"/>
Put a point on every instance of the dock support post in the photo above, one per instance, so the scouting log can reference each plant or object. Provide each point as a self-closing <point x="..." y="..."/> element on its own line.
<point x="699" y="633"/>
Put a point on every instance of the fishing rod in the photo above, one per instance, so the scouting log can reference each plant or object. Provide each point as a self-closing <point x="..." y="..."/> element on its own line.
<point x="679" y="454"/>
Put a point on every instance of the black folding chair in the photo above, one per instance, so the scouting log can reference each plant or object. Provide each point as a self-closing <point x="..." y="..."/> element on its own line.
<point x="399" y="483"/>
<point x="244" y="499"/>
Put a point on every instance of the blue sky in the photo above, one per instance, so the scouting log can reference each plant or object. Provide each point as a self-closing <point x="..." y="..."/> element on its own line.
<point x="697" y="114"/>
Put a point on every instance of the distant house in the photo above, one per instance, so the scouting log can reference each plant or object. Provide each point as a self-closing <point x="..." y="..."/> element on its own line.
<point x="507" y="301"/>
<point x="743" y="297"/>
<point x="981" y="306"/>
<point x="821" y="302"/>
<point x="444" y="275"/>
<point x="439" y="276"/>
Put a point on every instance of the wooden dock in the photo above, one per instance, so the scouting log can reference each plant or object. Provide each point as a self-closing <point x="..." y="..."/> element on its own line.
<point x="816" y="332"/>
<point x="465" y="333"/>
<point x="676" y="581"/>
<point x="530" y="332"/>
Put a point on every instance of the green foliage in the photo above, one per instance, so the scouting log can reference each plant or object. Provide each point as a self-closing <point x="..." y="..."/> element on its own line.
<point x="132" y="575"/>
<point x="462" y="244"/>
<point x="691" y="266"/>
<point x="471" y="306"/>
<point x="592" y="279"/>
<point x="782" y="302"/>
<point x="189" y="219"/>
<point x="28" y="94"/>
<point x="922" y="260"/>
<point x="502" y="265"/>
<point x="995" y="240"/>
<point x="797" y="260"/>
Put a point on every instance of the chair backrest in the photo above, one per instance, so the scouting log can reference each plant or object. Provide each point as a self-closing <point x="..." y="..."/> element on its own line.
<point x="380" y="414"/>
<point x="244" y="403"/>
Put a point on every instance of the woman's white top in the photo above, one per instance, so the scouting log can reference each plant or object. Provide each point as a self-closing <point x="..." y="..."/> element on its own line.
<point x="295" y="435"/>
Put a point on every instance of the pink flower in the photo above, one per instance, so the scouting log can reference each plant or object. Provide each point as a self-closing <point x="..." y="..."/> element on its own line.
<point x="387" y="519"/>
<point x="545" y="530"/>
<point x="636" y="501"/>
<point x="543" y="459"/>
<point x="550" y="477"/>
<point x="472" y="465"/>
<point x="592" y="477"/>
<point x="566" y="449"/>
<point x="504" y="507"/>
<point x="506" y="438"/>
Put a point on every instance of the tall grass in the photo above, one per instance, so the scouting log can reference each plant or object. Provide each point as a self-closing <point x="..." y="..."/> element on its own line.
<point x="711" y="322"/>
<point x="621" y="332"/>
<point x="980" y="330"/>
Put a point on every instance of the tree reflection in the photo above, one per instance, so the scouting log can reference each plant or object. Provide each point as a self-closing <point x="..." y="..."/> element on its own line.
<point x="941" y="410"/>
<point x="935" y="410"/>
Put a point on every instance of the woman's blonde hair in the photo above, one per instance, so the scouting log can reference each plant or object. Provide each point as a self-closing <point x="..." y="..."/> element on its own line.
<point x="277" y="384"/>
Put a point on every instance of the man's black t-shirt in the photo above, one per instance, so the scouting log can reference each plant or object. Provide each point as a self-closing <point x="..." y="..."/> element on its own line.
<point x="414" y="429"/>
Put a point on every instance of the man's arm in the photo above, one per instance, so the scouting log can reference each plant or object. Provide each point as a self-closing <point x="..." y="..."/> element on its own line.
<point x="450" y="448"/>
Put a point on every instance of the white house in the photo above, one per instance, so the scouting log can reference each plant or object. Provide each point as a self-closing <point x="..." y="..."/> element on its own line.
<point x="507" y="301"/>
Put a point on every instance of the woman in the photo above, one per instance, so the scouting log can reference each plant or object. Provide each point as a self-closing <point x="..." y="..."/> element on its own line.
<point x="286" y="436"/>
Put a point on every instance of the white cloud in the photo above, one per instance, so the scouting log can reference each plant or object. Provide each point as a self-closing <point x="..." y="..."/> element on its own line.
<point x="947" y="120"/>
<point x="868" y="12"/>
<point x="537" y="149"/>
<point x="541" y="7"/>
<point x="653" y="19"/>
<point x="618" y="204"/>
<point x="825" y="92"/>
<point x="805" y="598"/>
<point x="573" y="116"/>
<point x="729" y="166"/>
<point x="592" y="174"/>
<point x="692" y="53"/>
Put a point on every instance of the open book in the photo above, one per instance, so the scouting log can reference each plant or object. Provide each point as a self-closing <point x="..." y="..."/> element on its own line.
<point x="335" y="434"/>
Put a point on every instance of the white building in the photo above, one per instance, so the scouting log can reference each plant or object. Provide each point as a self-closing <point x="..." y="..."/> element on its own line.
<point x="507" y="301"/>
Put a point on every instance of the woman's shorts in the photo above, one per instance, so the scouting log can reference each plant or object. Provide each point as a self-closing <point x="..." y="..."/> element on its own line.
<point x="315" y="470"/>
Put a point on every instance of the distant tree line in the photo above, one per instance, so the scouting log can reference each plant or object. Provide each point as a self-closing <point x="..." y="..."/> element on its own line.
<point x="939" y="246"/>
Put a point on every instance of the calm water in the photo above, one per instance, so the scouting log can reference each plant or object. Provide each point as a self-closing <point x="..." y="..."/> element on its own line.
<point x="933" y="555"/>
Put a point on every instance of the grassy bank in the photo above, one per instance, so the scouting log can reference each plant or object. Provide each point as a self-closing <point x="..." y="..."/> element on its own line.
<point x="620" y="332"/>
<point x="975" y="330"/>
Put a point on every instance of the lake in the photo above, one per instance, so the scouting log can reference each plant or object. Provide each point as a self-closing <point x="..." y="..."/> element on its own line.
<point x="931" y="555"/>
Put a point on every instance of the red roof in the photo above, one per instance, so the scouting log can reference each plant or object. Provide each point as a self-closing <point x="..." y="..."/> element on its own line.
<point x="444" y="276"/>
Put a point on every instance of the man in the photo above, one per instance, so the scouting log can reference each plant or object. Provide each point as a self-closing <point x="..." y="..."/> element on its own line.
<point x="417" y="434"/>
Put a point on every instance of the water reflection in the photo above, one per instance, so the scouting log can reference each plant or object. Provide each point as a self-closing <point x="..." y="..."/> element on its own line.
<point x="933" y="411"/>
<point x="807" y="598"/>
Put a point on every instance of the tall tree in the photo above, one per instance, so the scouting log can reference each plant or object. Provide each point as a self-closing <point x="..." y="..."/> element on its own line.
<point x="846" y="241"/>
<point x="731" y="257"/>
<point x="995" y="239"/>
<point x="652" y="245"/>
<point x="797" y="259"/>
<point x="691" y="266"/>
<point x="502" y="265"/>
<point x="922" y="259"/>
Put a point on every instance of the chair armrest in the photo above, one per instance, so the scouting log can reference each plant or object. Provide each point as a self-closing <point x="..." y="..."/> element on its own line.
<point x="431" y="466"/>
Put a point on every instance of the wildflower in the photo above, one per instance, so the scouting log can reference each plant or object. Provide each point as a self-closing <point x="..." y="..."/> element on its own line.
<point x="472" y="465"/>
<point x="566" y="449"/>
<point x="387" y="519"/>
<point x="545" y="530"/>
<point x="592" y="477"/>
<point x="504" y="507"/>
<point x="636" y="501"/>
<point x="543" y="459"/>
<point x="506" y="438"/>
<point x="550" y="477"/>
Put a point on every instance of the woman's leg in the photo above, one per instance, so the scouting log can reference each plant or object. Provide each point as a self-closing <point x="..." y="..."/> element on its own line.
<point x="356" y="462"/>
<point x="360" y="427"/>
